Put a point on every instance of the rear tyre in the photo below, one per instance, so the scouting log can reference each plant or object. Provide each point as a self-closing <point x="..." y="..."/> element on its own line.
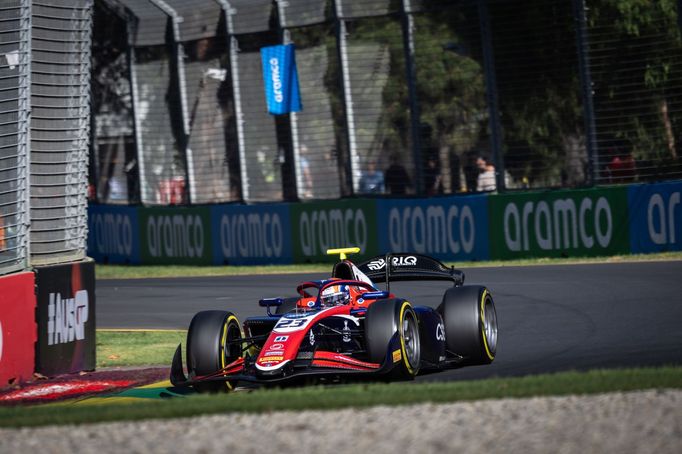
<point x="211" y="347"/>
<point x="470" y="323"/>
<point x="383" y="320"/>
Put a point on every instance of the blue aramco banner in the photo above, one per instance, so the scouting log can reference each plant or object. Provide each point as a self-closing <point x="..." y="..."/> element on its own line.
<point x="251" y="235"/>
<point x="281" y="79"/>
<point x="448" y="228"/>
<point x="655" y="217"/>
<point x="113" y="235"/>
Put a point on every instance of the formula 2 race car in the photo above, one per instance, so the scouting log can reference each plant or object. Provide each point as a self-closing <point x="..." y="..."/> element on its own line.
<point x="344" y="326"/>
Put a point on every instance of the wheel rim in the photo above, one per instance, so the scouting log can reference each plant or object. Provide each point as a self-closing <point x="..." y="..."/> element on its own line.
<point x="232" y="350"/>
<point x="410" y="333"/>
<point x="490" y="325"/>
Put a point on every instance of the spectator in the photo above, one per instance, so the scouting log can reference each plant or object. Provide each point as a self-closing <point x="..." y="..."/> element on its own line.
<point x="433" y="183"/>
<point x="486" y="176"/>
<point x="118" y="188"/>
<point x="396" y="177"/>
<point x="622" y="168"/>
<point x="372" y="181"/>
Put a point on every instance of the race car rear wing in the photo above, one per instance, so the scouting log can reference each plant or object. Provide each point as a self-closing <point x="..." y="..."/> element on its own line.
<point x="409" y="267"/>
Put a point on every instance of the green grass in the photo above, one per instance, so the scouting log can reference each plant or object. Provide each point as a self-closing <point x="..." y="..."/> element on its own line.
<point x="358" y="396"/>
<point x="161" y="271"/>
<point x="137" y="348"/>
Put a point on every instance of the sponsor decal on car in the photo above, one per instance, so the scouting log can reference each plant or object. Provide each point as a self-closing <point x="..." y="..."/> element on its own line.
<point x="281" y="338"/>
<point x="440" y="332"/>
<point x="397" y="356"/>
<point x="276" y="347"/>
<point x="270" y="359"/>
<point x="274" y="353"/>
<point x="376" y="265"/>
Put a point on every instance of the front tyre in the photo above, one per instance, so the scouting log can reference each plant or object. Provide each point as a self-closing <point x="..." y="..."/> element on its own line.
<point x="383" y="320"/>
<point x="212" y="343"/>
<point x="470" y="323"/>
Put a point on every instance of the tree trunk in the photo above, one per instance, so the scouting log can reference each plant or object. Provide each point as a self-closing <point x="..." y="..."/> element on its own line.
<point x="668" y="129"/>
<point x="574" y="171"/>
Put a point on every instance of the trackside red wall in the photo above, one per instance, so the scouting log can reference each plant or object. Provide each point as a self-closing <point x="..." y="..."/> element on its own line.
<point x="18" y="332"/>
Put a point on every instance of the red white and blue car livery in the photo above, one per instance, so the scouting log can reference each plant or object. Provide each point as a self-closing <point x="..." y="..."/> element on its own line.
<point x="344" y="326"/>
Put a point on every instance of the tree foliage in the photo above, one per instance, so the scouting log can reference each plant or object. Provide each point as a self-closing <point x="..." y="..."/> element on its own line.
<point x="638" y="45"/>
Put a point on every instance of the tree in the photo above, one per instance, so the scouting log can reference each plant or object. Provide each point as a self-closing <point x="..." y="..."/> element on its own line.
<point x="637" y="51"/>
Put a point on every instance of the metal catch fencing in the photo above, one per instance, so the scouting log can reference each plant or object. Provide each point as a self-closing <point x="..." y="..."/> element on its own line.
<point x="635" y="63"/>
<point x="44" y="131"/>
<point x="60" y="129"/>
<point x="15" y="41"/>
<point x="400" y="97"/>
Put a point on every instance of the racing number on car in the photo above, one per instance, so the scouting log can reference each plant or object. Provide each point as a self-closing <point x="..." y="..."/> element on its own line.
<point x="291" y="323"/>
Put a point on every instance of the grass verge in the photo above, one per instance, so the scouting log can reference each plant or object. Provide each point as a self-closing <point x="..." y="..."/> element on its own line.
<point x="167" y="271"/>
<point x="147" y="271"/>
<point x="137" y="348"/>
<point x="358" y="396"/>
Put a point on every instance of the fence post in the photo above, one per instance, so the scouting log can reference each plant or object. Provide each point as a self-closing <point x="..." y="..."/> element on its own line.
<point x="582" y="46"/>
<point x="407" y="22"/>
<point x="233" y="79"/>
<point x="354" y="161"/>
<point x="131" y="25"/>
<point x="85" y="115"/>
<point x="491" y="94"/>
<point x="286" y="128"/>
<point x="24" y="138"/>
<point x="346" y="95"/>
<point x="179" y="55"/>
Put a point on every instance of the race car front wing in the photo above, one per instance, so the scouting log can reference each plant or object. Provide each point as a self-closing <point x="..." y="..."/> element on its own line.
<point x="318" y="364"/>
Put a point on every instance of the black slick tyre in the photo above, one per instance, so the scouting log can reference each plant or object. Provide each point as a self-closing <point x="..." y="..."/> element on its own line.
<point x="211" y="346"/>
<point x="384" y="318"/>
<point x="470" y="323"/>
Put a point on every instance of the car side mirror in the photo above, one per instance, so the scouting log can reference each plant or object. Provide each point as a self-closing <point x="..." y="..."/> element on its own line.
<point x="374" y="295"/>
<point x="270" y="302"/>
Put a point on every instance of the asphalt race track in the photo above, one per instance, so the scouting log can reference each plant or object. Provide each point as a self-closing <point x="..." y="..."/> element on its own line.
<point x="551" y="318"/>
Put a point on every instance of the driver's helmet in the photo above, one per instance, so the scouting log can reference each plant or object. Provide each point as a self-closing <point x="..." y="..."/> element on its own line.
<point x="335" y="295"/>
